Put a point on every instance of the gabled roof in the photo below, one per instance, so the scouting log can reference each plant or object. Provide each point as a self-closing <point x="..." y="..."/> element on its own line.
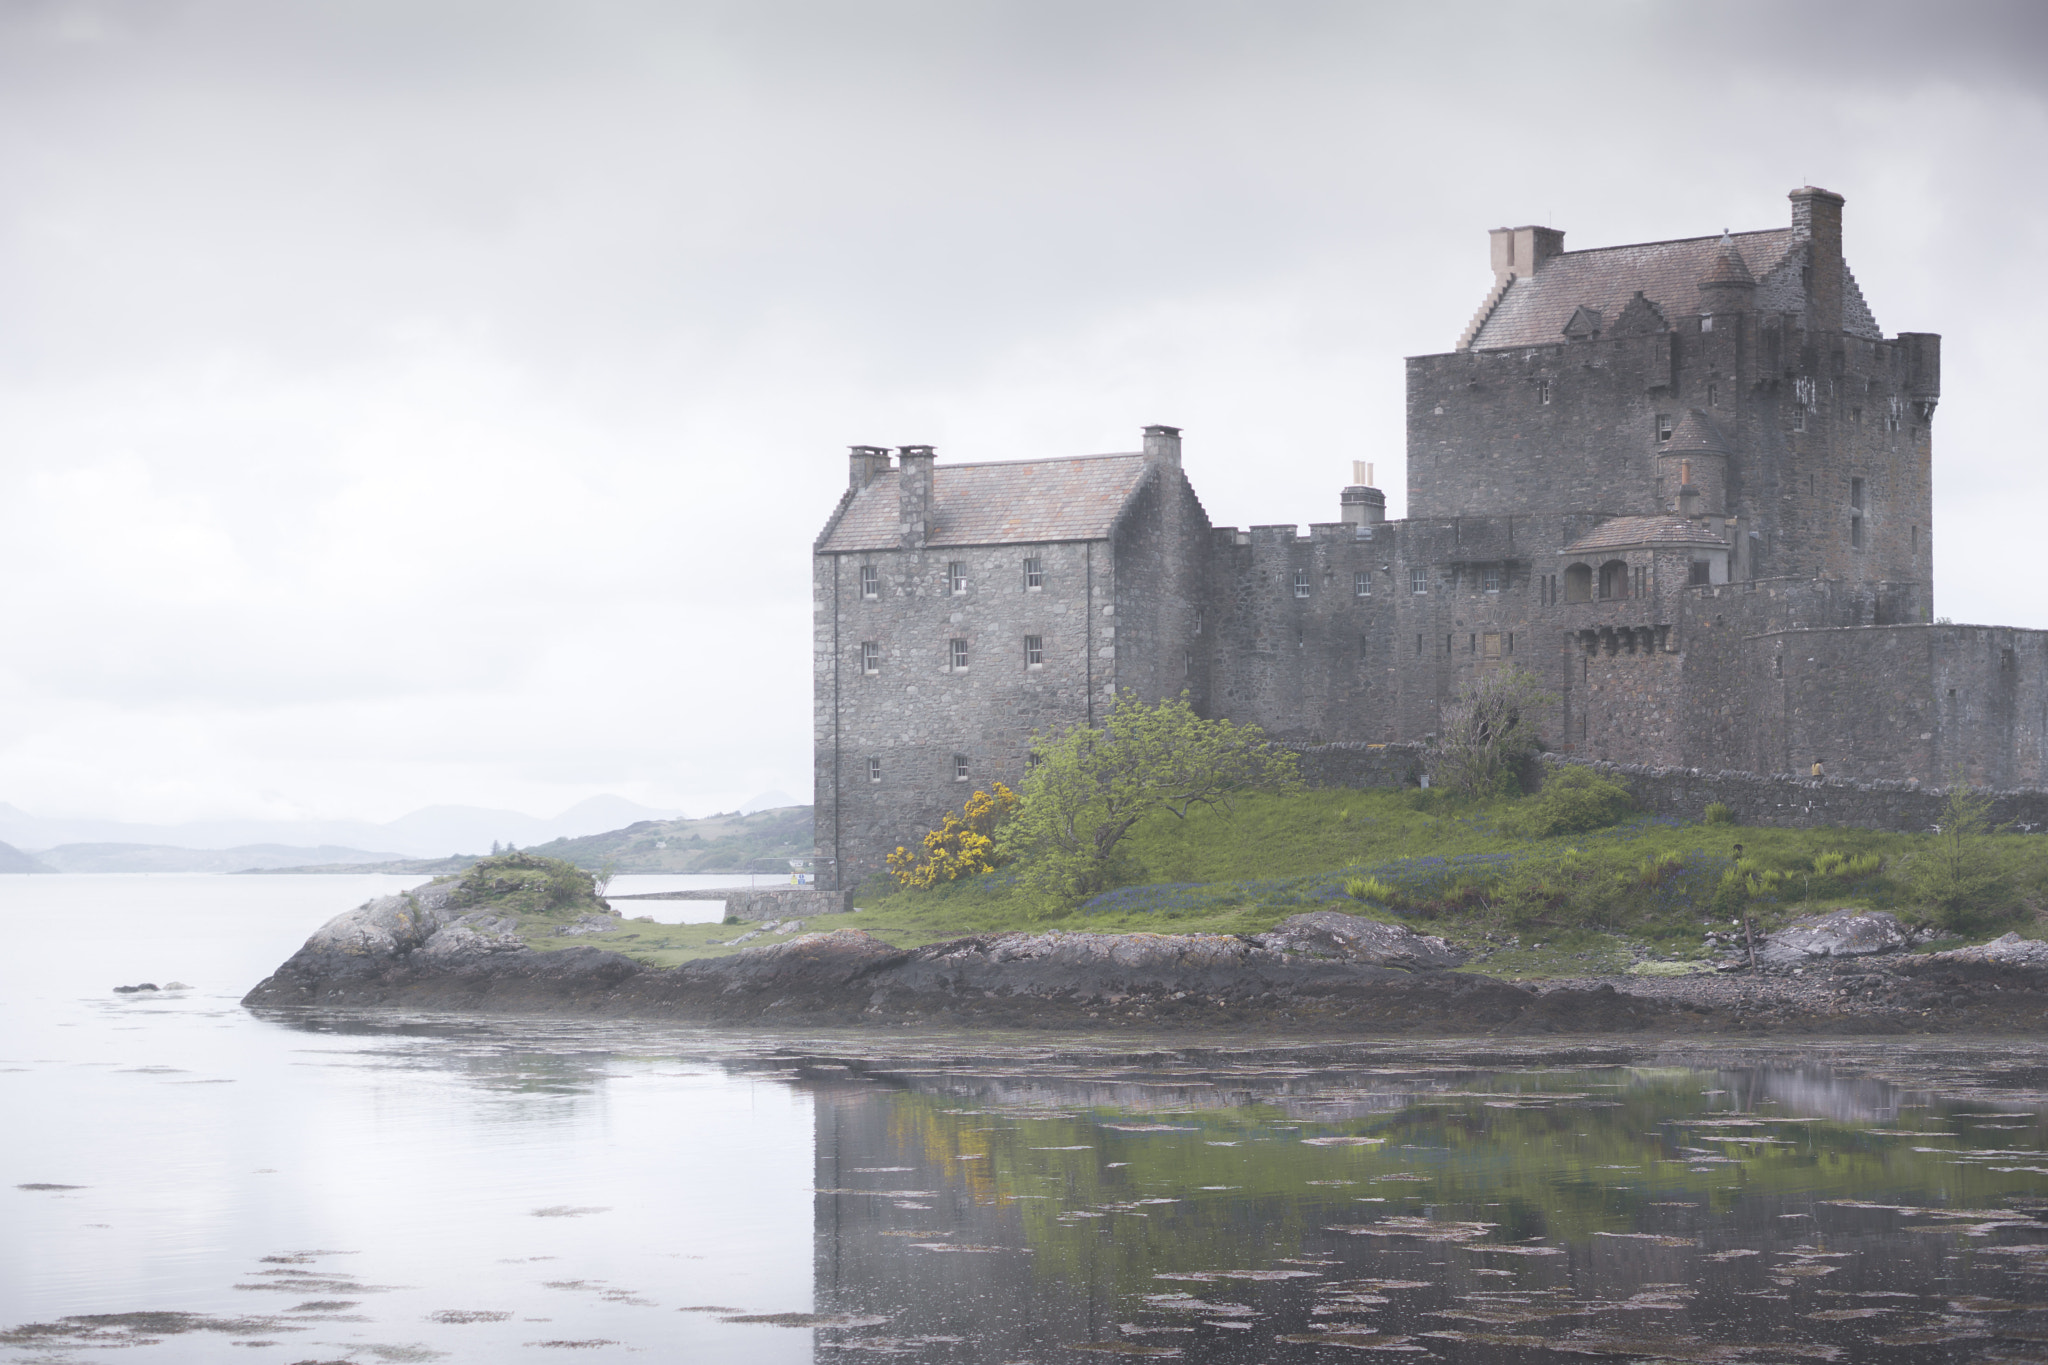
<point x="1020" y="502"/>
<point x="1535" y="308"/>
<point x="1645" y="533"/>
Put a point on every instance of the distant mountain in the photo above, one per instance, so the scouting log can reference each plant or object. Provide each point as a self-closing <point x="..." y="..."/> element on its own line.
<point x="763" y="841"/>
<point x="435" y="831"/>
<point x="13" y="859"/>
<point x="161" y="858"/>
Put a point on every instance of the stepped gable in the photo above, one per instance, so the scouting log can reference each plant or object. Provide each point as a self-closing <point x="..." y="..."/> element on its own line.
<point x="1696" y="434"/>
<point x="1640" y="318"/>
<point x="1534" y="312"/>
<point x="1644" y="533"/>
<point x="1023" y="501"/>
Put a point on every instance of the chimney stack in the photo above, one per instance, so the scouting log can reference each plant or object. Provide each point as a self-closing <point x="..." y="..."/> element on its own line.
<point x="914" y="490"/>
<point x="866" y="464"/>
<point x="1817" y="221"/>
<point x="1163" y="444"/>
<point x="1521" y="252"/>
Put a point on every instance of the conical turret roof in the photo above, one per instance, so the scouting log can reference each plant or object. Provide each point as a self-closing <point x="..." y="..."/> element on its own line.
<point x="1695" y="436"/>
<point x="1728" y="266"/>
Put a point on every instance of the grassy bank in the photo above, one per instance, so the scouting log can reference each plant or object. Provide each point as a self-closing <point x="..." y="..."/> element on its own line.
<point x="1485" y="876"/>
<point x="1642" y="893"/>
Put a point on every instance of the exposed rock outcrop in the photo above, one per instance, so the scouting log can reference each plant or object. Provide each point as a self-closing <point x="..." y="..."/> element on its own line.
<point x="1353" y="938"/>
<point x="1329" y="969"/>
<point x="1838" y="933"/>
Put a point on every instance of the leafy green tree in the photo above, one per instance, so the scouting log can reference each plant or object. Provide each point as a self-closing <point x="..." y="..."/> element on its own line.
<point x="1089" y="785"/>
<point x="1489" y="733"/>
<point x="1958" y="877"/>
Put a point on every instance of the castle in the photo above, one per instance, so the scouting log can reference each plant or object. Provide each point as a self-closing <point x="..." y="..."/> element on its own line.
<point x="1687" y="484"/>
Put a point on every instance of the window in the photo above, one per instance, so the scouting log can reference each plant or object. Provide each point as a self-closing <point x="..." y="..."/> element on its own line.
<point x="1472" y="644"/>
<point x="1916" y="540"/>
<point x="1707" y="325"/>
<point x="959" y="767"/>
<point x="1511" y="642"/>
<point x="1489" y="578"/>
<point x="1856" y="494"/>
<point x="1799" y="418"/>
<point x="874" y="770"/>
<point x="1578" y="583"/>
<point x="1187" y="664"/>
<point x="1418" y="581"/>
<point x="1361" y="583"/>
<point x="1543" y="390"/>
<point x="956" y="578"/>
<point x="1856" y="532"/>
<point x="1493" y="643"/>
<point x="1418" y="644"/>
<point x="958" y="655"/>
<point x="1034" y="651"/>
<point x="1713" y="395"/>
<point x="1301" y="582"/>
<point x="1663" y="426"/>
<point x="1614" y="580"/>
<point x="1642" y="588"/>
<point x="1447" y="644"/>
<point x="870" y="581"/>
<point x="1700" y="574"/>
<point x="1364" y="646"/>
<point x="1856" y="417"/>
<point x="1034" y="574"/>
<point x="870" y="657"/>
<point x="1198" y="620"/>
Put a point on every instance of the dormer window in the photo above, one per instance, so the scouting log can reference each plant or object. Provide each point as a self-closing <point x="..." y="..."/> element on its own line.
<point x="1706" y="322"/>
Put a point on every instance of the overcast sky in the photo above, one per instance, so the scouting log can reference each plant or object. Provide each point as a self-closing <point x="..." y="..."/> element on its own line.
<point x="431" y="401"/>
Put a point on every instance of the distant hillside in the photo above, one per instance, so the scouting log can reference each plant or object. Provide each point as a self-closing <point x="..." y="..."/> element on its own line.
<point x="764" y="841"/>
<point x="163" y="858"/>
<point x="13" y="859"/>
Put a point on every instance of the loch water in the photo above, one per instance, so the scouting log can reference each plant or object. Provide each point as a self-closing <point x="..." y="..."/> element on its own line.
<point x="183" y="1180"/>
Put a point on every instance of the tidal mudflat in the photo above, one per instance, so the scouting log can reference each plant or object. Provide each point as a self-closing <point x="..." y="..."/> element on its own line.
<point x="184" y="1181"/>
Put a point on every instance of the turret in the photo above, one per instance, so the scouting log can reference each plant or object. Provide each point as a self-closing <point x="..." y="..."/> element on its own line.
<point x="1727" y="287"/>
<point x="1693" y="468"/>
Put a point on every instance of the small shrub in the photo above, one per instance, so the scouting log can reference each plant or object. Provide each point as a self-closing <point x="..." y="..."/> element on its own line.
<point x="1371" y="889"/>
<point x="1575" y="800"/>
<point x="1717" y="813"/>
<point x="963" y="845"/>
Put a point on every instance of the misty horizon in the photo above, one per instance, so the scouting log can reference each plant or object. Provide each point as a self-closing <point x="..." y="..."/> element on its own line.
<point x="435" y="405"/>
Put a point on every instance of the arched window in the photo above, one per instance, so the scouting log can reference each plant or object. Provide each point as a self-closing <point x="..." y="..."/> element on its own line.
<point x="1613" y="579"/>
<point x="1578" y="583"/>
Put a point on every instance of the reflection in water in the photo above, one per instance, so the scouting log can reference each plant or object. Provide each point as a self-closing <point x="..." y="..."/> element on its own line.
<point x="1270" y="1212"/>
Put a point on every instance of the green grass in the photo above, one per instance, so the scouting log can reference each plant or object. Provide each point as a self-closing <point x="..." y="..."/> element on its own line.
<point x="1637" y="895"/>
<point x="1645" y="890"/>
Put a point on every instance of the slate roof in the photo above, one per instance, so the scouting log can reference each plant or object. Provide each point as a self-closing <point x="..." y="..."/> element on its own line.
<point x="1535" y="308"/>
<point x="1696" y="434"/>
<point x="1018" y="502"/>
<point x="1636" y="533"/>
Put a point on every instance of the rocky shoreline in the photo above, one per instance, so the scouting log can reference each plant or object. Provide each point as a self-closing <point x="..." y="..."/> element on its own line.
<point x="1324" y="971"/>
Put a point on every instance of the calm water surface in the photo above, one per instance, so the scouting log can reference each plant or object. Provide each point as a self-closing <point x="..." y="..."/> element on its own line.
<point x="182" y="1180"/>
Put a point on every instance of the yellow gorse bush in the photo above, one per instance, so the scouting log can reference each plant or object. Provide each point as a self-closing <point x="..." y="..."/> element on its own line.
<point x="962" y="846"/>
